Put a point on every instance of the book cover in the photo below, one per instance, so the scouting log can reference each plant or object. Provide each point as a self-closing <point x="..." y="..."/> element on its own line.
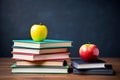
<point x="100" y="71"/>
<point x="80" y="64"/>
<point x="48" y="43"/>
<point x="39" y="69"/>
<point x="36" y="57"/>
<point x="42" y="63"/>
<point x="39" y="51"/>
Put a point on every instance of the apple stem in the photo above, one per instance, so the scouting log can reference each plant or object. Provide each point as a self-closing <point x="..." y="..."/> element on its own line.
<point x="41" y="23"/>
<point x="88" y="42"/>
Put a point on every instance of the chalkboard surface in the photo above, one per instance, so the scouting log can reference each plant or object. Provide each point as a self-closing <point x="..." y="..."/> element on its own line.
<point x="83" y="21"/>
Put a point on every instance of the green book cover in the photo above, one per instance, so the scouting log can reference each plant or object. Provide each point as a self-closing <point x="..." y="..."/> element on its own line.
<point x="42" y="42"/>
<point x="48" y="43"/>
<point x="15" y="66"/>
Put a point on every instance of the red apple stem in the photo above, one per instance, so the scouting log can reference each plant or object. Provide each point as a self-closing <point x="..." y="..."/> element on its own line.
<point x="88" y="42"/>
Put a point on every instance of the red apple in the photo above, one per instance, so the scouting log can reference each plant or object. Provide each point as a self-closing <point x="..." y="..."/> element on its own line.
<point x="89" y="52"/>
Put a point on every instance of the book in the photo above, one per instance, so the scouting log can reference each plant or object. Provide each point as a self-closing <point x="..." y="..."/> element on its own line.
<point x="80" y="64"/>
<point x="96" y="71"/>
<point x="48" y="43"/>
<point x="39" y="69"/>
<point x="42" y="63"/>
<point x="39" y="51"/>
<point x="36" y="57"/>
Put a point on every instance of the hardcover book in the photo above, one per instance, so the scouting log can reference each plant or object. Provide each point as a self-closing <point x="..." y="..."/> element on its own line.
<point x="42" y="63"/>
<point x="48" y="43"/>
<point x="96" y="71"/>
<point x="39" y="69"/>
<point x="39" y="51"/>
<point x="80" y="64"/>
<point x="36" y="57"/>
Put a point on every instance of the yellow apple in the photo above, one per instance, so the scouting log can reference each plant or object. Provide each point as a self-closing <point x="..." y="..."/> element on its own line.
<point x="38" y="32"/>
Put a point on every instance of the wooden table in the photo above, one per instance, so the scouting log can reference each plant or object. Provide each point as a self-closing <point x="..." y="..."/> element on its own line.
<point x="5" y="73"/>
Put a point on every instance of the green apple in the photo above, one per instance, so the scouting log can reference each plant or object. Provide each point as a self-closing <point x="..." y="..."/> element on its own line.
<point x="38" y="32"/>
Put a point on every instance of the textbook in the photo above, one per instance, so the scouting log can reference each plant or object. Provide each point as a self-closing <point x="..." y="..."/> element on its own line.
<point x="96" y="71"/>
<point x="47" y="43"/>
<point x="39" y="51"/>
<point x="36" y="57"/>
<point x="39" y="69"/>
<point x="42" y="63"/>
<point x="80" y="64"/>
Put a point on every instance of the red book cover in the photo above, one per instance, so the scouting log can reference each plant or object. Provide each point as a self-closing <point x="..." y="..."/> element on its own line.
<point x="39" y="54"/>
<point x="36" y="57"/>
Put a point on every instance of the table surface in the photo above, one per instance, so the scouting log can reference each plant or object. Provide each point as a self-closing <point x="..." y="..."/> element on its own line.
<point x="5" y="73"/>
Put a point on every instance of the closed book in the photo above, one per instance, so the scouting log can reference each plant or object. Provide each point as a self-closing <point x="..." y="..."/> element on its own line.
<point x="42" y="63"/>
<point x="39" y="69"/>
<point x="48" y="43"/>
<point x="36" y="57"/>
<point x="96" y="71"/>
<point x="39" y="51"/>
<point x="80" y="64"/>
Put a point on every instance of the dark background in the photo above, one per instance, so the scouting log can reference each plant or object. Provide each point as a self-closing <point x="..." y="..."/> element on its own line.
<point x="95" y="21"/>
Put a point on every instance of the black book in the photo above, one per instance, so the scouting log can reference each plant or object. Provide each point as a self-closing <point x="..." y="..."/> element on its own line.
<point x="80" y="64"/>
<point x="101" y="71"/>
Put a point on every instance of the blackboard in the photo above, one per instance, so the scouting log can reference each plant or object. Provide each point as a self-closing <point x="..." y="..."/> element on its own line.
<point x="83" y="21"/>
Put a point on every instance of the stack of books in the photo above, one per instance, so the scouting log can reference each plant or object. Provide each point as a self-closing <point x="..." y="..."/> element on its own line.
<point x="98" y="67"/>
<point x="48" y="56"/>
